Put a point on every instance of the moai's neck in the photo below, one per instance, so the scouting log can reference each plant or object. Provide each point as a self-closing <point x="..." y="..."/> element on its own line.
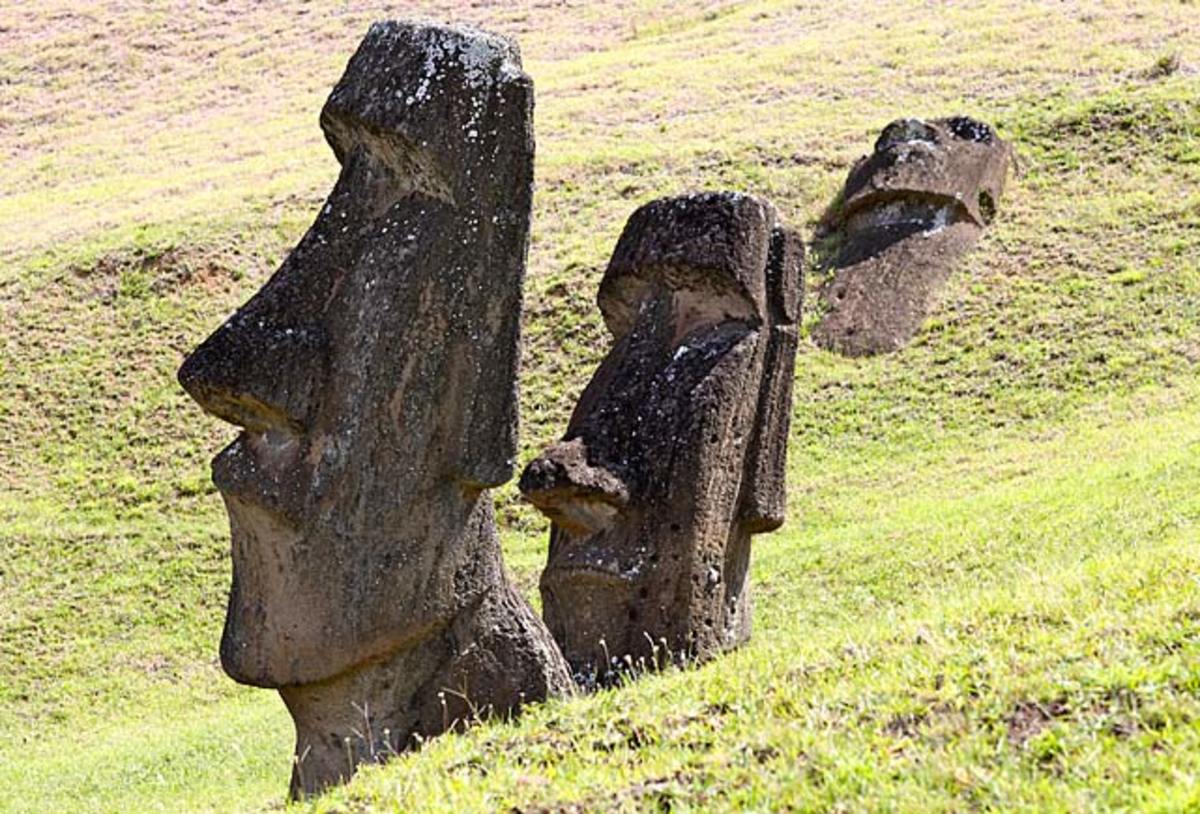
<point x="483" y="663"/>
<point x="361" y="715"/>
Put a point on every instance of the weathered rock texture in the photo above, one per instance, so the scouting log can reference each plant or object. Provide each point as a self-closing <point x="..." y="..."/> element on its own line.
<point x="374" y="375"/>
<point x="675" y="454"/>
<point x="908" y="211"/>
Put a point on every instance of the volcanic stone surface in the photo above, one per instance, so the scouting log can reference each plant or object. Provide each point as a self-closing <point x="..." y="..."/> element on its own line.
<point x="907" y="213"/>
<point x="675" y="453"/>
<point x="374" y="377"/>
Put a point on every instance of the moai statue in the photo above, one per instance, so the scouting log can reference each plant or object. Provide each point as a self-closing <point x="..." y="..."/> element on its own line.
<point x="375" y="378"/>
<point x="907" y="212"/>
<point x="675" y="453"/>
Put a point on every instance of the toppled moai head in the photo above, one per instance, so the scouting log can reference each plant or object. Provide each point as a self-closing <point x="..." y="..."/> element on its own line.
<point x="675" y="453"/>
<point x="907" y="212"/>
<point x="374" y="377"/>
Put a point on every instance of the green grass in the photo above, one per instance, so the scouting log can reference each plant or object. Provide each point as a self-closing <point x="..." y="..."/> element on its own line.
<point x="1017" y="630"/>
<point x="172" y="754"/>
<point x="985" y="595"/>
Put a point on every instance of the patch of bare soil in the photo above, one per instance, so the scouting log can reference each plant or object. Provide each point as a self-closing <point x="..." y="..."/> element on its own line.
<point x="1028" y="718"/>
<point x="655" y="794"/>
<point x="161" y="273"/>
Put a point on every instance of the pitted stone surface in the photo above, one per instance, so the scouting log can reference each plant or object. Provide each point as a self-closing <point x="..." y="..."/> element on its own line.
<point x="675" y="454"/>
<point x="907" y="213"/>
<point x="375" y="378"/>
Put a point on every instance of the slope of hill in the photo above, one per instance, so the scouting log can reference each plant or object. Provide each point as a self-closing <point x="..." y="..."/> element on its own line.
<point x="986" y="594"/>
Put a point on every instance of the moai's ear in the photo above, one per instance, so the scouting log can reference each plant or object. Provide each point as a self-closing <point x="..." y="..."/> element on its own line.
<point x="504" y="196"/>
<point x="764" y="492"/>
<point x="484" y="368"/>
<point x="785" y="276"/>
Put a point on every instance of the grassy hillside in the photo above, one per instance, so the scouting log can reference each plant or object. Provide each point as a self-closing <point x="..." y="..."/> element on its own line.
<point x="986" y="594"/>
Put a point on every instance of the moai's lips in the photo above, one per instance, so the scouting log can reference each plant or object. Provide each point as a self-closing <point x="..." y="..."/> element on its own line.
<point x="577" y="512"/>
<point x="264" y="469"/>
<point x="599" y="573"/>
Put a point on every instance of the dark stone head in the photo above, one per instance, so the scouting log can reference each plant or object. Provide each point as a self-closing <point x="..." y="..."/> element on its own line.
<point x="936" y="170"/>
<point x="374" y="374"/>
<point x="665" y="470"/>
<point x="908" y="210"/>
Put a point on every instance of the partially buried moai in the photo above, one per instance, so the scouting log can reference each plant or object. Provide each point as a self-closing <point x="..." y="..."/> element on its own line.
<point x="674" y="456"/>
<point x="374" y="377"/>
<point x="907" y="213"/>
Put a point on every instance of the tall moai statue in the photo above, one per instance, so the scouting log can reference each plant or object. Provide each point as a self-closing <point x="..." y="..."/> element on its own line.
<point x="908" y="211"/>
<point x="675" y="453"/>
<point x="374" y="377"/>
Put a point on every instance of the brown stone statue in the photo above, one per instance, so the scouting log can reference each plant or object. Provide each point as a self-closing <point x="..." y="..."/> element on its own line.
<point x="906" y="214"/>
<point x="675" y="454"/>
<point x="374" y="377"/>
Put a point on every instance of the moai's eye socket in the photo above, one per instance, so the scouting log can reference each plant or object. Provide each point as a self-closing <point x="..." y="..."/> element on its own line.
<point x="697" y="308"/>
<point x="969" y="129"/>
<point x="905" y="131"/>
<point x="396" y="165"/>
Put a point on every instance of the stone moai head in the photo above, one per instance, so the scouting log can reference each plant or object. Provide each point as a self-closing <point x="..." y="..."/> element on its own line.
<point x="675" y="454"/>
<point x="906" y="213"/>
<point x="374" y="377"/>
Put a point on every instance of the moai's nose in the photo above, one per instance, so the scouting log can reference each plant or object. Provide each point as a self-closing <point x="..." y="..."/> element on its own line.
<point x="580" y="496"/>
<point x="257" y="370"/>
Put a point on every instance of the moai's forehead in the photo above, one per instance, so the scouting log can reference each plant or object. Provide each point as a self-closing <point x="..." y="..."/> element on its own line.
<point x="714" y="244"/>
<point x="429" y="101"/>
<point x="956" y="159"/>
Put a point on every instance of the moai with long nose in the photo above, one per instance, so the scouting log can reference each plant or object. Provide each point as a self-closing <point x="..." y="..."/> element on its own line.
<point x="374" y="377"/>
<point x="906" y="214"/>
<point x="674" y="456"/>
